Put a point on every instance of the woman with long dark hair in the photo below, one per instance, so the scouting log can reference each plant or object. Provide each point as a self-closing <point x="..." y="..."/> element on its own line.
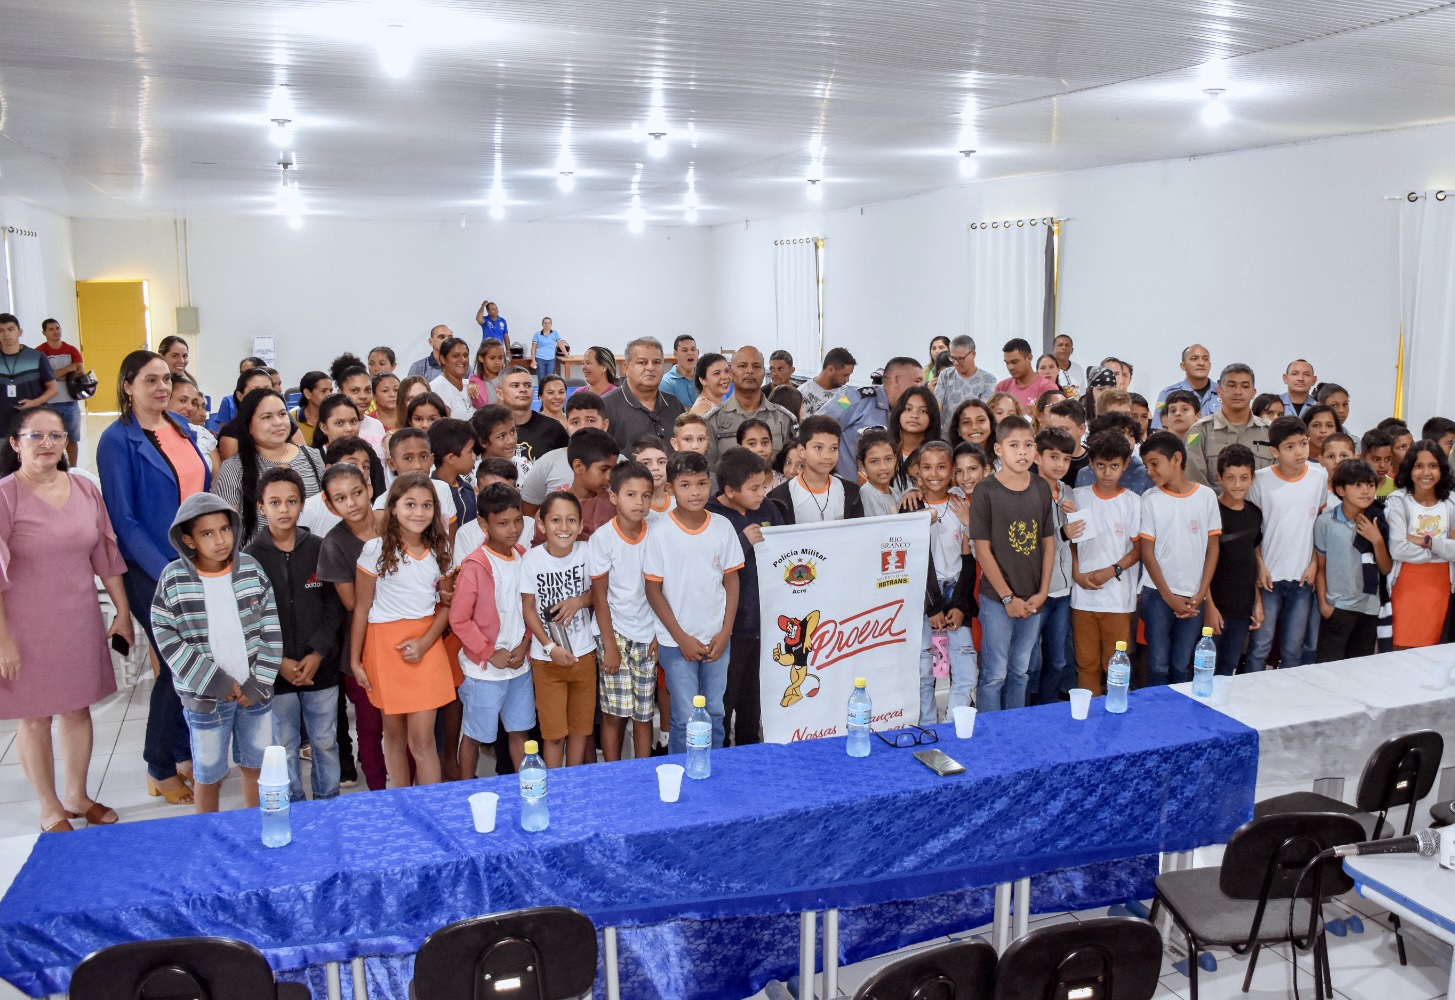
<point x="262" y="429"/>
<point x="338" y="417"/>
<point x="149" y="464"/>
<point x="313" y="388"/>
<point x="713" y="379"/>
<point x="914" y="420"/>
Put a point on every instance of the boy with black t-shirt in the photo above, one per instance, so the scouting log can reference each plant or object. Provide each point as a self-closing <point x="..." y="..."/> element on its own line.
<point x="1234" y="602"/>
<point x="1012" y="524"/>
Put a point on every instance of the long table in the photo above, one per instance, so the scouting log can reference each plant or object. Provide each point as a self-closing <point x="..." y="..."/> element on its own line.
<point x="702" y="897"/>
<point x="1318" y="724"/>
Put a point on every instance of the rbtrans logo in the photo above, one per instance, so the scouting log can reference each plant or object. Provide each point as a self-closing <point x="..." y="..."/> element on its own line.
<point x="893" y="563"/>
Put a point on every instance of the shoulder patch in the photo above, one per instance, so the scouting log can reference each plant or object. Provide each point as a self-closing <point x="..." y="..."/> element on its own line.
<point x="867" y="392"/>
<point x="1192" y="439"/>
<point x="843" y="401"/>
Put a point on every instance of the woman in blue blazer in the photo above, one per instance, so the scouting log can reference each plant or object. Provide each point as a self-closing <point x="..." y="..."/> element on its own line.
<point x="149" y="463"/>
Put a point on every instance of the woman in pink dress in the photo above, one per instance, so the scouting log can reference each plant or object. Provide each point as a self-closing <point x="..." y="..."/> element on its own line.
<point x="54" y="658"/>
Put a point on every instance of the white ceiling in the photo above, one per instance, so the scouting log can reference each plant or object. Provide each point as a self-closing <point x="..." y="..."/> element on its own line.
<point x="161" y="107"/>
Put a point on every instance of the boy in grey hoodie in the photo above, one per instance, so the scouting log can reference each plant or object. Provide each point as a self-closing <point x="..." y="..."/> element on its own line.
<point x="216" y="625"/>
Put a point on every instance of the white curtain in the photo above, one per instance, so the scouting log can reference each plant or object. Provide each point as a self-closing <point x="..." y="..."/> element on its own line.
<point x="27" y="279"/>
<point x="796" y="288"/>
<point x="1009" y="288"/>
<point x="1427" y="274"/>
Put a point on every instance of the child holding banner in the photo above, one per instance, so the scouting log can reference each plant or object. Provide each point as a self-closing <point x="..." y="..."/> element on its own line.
<point x="743" y="477"/>
<point x="949" y="601"/>
<point x="691" y="568"/>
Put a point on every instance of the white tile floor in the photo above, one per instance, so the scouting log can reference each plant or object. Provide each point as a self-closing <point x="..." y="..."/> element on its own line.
<point x="1365" y="966"/>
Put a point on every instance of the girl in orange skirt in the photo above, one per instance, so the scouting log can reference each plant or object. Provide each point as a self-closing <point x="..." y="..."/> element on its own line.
<point x="1421" y="515"/>
<point x="398" y="620"/>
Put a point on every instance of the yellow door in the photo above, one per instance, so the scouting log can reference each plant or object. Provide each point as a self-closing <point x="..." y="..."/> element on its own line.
<point x="114" y="321"/>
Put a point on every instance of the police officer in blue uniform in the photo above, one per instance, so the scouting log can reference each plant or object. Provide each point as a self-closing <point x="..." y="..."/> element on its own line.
<point x="859" y="409"/>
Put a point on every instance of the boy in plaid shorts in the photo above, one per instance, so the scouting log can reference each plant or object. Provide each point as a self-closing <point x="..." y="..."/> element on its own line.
<point x="626" y="649"/>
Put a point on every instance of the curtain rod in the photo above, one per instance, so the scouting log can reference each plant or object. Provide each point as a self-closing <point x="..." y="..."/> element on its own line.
<point x="1040" y="220"/>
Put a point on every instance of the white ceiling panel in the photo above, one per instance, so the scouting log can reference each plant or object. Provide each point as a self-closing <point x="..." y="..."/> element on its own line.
<point x="162" y="107"/>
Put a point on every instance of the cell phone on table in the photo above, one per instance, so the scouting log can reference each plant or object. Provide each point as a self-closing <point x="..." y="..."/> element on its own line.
<point x="939" y="762"/>
<point x="120" y="644"/>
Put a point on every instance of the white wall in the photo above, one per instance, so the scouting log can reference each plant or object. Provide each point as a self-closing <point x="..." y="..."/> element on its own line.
<point x="1264" y="256"/>
<point x="54" y="236"/>
<point x="351" y="285"/>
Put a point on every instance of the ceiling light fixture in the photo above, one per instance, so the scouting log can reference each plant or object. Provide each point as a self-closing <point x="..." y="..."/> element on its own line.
<point x="814" y="192"/>
<point x="281" y="134"/>
<point x="968" y="166"/>
<point x="1215" y="112"/>
<point x="396" y="48"/>
<point x="566" y="181"/>
<point x="657" y="144"/>
<point x="635" y="217"/>
<point x="690" y="215"/>
<point x="690" y="200"/>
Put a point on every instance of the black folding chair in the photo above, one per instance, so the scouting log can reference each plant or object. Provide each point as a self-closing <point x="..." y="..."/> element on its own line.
<point x="548" y="953"/>
<point x="1401" y="771"/>
<point x="961" y="970"/>
<point x="1111" y="958"/>
<point x="202" y="968"/>
<point x="1265" y="891"/>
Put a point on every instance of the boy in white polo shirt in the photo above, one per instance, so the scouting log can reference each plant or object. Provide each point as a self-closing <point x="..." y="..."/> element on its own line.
<point x="1180" y="528"/>
<point x="1104" y="569"/>
<point x="626" y="657"/>
<point x="691" y="566"/>
<point x="1291" y="492"/>
<point x="487" y="617"/>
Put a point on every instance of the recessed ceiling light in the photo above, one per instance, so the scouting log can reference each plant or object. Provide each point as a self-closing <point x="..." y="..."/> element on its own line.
<point x="657" y="143"/>
<point x="968" y="166"/>
<point x="1215" y="112"/>
<point x="281" y="134"/>
<point x="566" y="181"/>
<point x="814" y="192"/>
<point x="690" y="215"/>
<point x="396" y="48"/>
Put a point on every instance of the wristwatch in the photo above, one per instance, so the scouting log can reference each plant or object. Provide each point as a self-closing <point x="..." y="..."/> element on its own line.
<point x="1116" y="570"/>
<point x="548" y="649"/>
<point x="1006" y="601"/>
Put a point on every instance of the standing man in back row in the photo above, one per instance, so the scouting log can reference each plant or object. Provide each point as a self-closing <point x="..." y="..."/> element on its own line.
<point x="492" y="324"/>
<point x="679" y="379"/>
<point x="746" y="401"/>
<point x="25" y="375"/>
<point x="1232" y="422"/>
<point x="640" y="407"/>
<point x="432" y="366"/>
<point x="65" y="361"/>
<point x="857" y="410"/>
<point x="838" y="370"/>
<point x="1196" y="365"/>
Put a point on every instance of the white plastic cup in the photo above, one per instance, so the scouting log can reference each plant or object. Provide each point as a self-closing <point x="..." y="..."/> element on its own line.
<point x="964" y="716"/>
<point x="275" y="767"/>
<point x="482" y="807"/>
<point x="1222" y="692"/>
<point x="669" y="781"/>
<point x="1440" y="673"/>
<point x="1080" y="702"/>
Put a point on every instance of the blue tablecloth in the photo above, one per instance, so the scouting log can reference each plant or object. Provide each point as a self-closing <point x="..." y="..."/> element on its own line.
<point x="777" y="830"/>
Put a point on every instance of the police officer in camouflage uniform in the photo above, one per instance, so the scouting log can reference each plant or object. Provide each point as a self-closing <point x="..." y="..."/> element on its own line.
<point x="857" y="410"/>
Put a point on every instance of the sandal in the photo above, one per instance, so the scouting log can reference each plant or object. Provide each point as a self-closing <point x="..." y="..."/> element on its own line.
<point x="96" y="815"/>
<point x="59" y="826"/>
<point x="180" y="797"/>
<point x="184" y="771"/>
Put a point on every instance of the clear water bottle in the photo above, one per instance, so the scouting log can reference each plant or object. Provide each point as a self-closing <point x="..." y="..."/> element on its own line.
<point x="699" y="740"/>
<point x="1118" y="679"/>
<point x="273" y="798"/>
<point x="1204" y="665"/>
<point x="861" y="710"/>
<point x="535" y="815"/>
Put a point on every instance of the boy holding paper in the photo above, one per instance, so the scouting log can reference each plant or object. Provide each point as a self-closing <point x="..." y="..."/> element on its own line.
<point x="1054" y="451"/>
<point x="1104" y="560"/>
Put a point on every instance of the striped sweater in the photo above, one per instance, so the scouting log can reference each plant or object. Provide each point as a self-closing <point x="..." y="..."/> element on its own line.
<point x="179" y="621"/>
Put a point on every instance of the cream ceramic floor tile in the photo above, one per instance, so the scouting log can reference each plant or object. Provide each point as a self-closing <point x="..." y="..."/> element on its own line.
<point x="131" y="738"/>
<point x="13" y="786"/>
<point x="7" y="749"/>
<point x="1366" y="967"/>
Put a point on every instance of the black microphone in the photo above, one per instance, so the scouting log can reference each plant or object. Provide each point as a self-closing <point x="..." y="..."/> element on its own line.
<point x="1424" y="843"/>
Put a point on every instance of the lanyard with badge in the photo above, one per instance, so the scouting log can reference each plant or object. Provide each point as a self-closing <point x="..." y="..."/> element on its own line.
<point x="10" y="373"/>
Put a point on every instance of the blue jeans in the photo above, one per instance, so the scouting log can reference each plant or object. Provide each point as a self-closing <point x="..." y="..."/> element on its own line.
<point x="1005" y="655"/>
<point x="685" y="679"/>
<point x="319" y="710"/>
<point x="1286" y="609"/>
<point x="1230" y="644"/>
<point x="70" y="418"/>
<point x="245" y="728"/>
<point x="168" y="741"/>
<point x="1046" y="678"/>
<point x="544" y="367"/>
<point x="963" y="670"/>
<point x="1170" y="640"/>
